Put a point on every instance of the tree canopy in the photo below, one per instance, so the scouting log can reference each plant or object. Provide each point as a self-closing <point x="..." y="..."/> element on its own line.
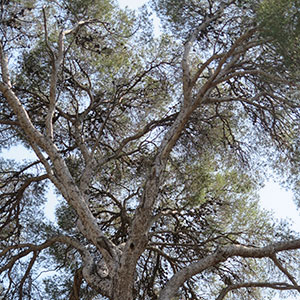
<point x="156" y="147"/>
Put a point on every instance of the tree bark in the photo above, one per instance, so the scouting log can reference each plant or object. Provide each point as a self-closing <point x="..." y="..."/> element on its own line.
<point x="222" y="255"/>
<point x="78" y="277"/>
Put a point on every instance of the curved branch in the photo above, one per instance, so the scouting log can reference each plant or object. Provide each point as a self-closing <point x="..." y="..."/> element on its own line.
<point x="219" y="69"/>
<point x="188" y="81"/>
<point x="282" y="286"/>
<point x="222" y="255"/>
<point x="279" y="265"/>
<point x="31" y="263"/>
<point x="37" y="248"/>
<point x="56" y="60"/>
<point x="94" y="274"/>
<point x="61" y="176"/>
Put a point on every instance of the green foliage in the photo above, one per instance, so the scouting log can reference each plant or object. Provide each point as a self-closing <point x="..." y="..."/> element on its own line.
<point x="218" y="186"/>
<point x="180" y="16"/>
<point x="66" y="218"/>
<point x="92" y="9"/>
<point x="280" y="21"/>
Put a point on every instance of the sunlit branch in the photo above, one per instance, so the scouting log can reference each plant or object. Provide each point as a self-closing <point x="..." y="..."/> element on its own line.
<point x="222" y="255"/>
<point x="4" y="67"/>
<point x="282" y="286"/>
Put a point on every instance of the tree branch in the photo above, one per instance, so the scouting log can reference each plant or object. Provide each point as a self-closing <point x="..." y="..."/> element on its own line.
<point x="188" y="81"/>
<point x="273" y="285"/>
<point x="31" y="263"/>
<point x="95" y="275"/>
<point x="60" y="174"/>
<point x="78" y="277"/>
<point x="222" y="255"/>
<point x="4" y="67"/>
<point x="230" y="53"/>
<point x="279" y="265"/>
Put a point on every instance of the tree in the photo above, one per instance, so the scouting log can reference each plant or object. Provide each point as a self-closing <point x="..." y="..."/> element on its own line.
<point x="155" y="146"/>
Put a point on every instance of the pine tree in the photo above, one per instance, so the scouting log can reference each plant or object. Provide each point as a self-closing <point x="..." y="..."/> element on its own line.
<point x="156" y="147"/>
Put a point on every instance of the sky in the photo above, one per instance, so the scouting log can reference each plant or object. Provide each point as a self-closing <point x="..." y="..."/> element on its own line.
<point x="132" y="4"/>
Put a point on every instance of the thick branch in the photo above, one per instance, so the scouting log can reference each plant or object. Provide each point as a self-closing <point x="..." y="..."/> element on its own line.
<point x="222" y="255"/>
<point x="61" y="176"/>
<point x="142" y="220"/>
<point x="4" y="67"/>
<point x="282" y="286"/>
<point x="56" y="60"/>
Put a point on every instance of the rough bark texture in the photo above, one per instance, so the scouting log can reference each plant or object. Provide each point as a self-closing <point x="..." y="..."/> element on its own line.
<point x="220" y="256"/>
